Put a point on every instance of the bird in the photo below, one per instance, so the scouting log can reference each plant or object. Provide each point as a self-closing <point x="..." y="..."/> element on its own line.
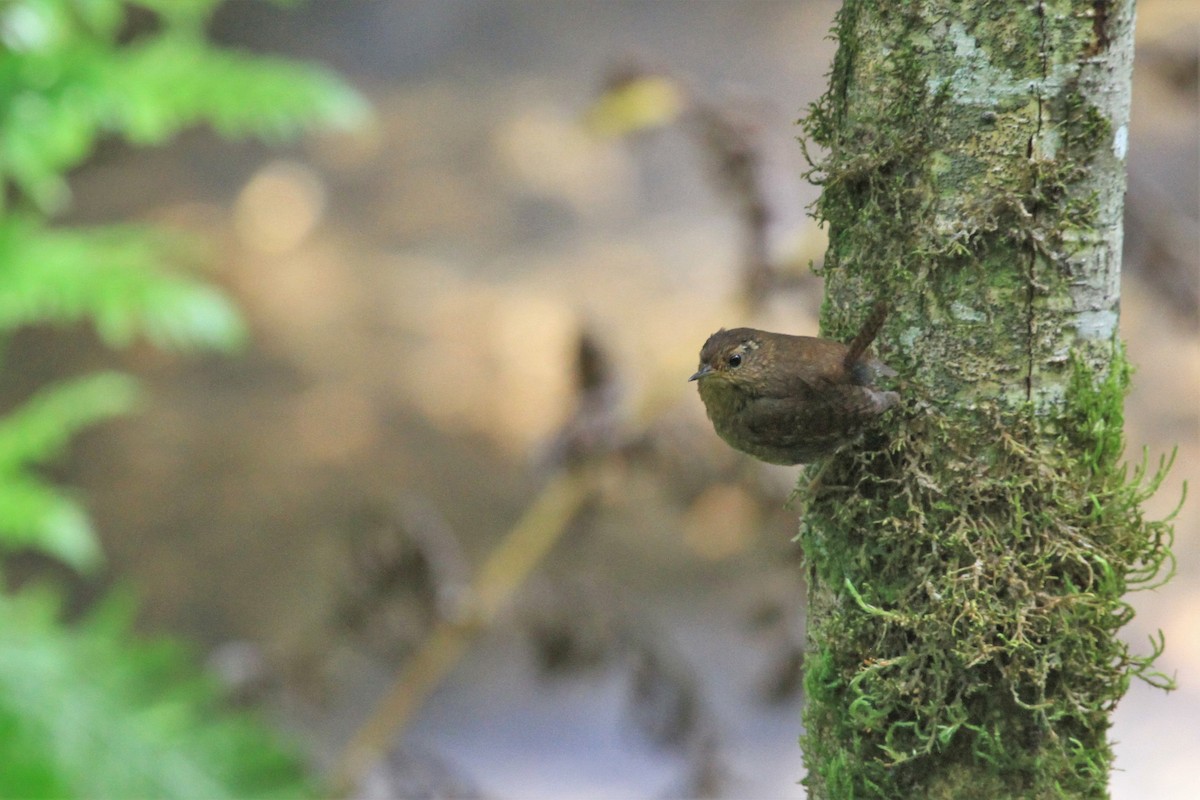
<point x="787" y="399"/>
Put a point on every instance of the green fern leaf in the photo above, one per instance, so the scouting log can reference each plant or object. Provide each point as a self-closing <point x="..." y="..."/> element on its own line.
<point x="37" y="516"/>
<point x="34" y="514"/>
<point x="90" y="711"/>
<point x="114" y="276"/>
<point x="39" y="430"/>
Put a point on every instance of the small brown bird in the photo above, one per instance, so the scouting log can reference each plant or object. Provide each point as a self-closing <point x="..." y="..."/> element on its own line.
<point x="791" y="399"/>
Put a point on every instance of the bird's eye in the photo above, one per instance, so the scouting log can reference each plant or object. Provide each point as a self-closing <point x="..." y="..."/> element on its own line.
<point x="735" y="360"/>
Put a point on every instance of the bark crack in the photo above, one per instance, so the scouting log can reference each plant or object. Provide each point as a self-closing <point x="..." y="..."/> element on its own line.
<point x="1032" y="153"/>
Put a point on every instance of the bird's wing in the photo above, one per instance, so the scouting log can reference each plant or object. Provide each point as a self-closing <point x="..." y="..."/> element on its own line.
<point x="831" y="412"/>
<point x="821" y="367"/>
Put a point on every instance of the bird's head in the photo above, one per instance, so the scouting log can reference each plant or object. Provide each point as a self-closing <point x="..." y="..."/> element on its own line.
<point x="734" y="356"/>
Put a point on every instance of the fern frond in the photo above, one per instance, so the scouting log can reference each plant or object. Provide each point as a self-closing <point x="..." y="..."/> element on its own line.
<point x="33" y="513"/>
<point x="172" y="82"/>
<point x="37" y="516"/>
<point x="78" y="83"/>
<point x="113" y="276"/>
<point x="89" y="710"/>
<point x="40" y="429"/>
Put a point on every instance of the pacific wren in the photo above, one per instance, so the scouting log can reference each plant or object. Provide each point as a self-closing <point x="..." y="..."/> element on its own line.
<point x="791" y="399"/>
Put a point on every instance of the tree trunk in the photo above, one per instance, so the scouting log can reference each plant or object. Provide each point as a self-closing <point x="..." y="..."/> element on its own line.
<point x="967" y="562"/>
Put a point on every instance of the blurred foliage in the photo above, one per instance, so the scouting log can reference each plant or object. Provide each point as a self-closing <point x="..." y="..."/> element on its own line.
<point x="636" y="102"/>
<point x="34" y="514"/>
<point x="112" y="276"/>
<point x="68" y="77"/>
<point x="87" y="709"/>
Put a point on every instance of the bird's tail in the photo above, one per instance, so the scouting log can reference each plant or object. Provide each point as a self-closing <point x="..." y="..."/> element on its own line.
<point x="867" y="333"/>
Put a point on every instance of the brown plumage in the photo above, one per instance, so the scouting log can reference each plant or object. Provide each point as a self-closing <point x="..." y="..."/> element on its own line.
<point x="791" y="399"/>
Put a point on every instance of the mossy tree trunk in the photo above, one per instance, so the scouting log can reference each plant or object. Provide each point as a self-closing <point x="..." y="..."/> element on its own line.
<point x="967" y="564"/>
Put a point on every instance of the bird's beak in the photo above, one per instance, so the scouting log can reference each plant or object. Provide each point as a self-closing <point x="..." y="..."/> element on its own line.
<point x="704" y="370"/>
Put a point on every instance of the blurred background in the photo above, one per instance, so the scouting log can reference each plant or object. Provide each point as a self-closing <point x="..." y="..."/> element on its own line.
<point x="453" y="301"/>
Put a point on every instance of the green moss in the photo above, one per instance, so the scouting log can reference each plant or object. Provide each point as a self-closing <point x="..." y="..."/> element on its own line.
<point x="972" y="597"/>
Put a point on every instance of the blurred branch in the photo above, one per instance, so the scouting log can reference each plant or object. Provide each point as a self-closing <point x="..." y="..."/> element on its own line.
<point x="595" y="428"/>
<point x="505" y="570"/>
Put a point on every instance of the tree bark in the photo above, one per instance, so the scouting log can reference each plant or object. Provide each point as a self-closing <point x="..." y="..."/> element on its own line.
<point x="967" y="562"/>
